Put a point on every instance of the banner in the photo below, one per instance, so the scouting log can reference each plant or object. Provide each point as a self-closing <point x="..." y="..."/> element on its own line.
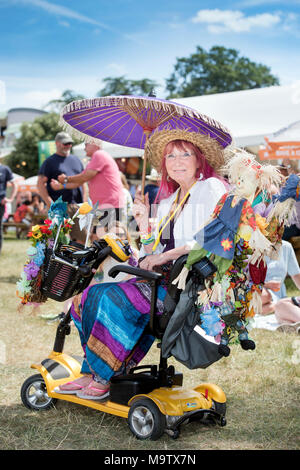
<point x="46" y="148"/>
<point x="276" y="150"/>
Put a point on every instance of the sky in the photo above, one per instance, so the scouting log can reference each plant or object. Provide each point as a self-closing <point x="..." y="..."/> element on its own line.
<point x="50" y="46"/>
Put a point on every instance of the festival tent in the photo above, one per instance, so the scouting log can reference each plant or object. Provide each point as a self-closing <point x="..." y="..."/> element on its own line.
<point x="116" y="151"/>
<point x="283" y="144"/>
<point x="18" y="179"/>
<point x="251" y="115"/>
<point x="29" y="184"/>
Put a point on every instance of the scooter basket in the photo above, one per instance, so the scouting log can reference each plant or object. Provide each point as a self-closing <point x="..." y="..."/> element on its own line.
<point x="60" y="281"/>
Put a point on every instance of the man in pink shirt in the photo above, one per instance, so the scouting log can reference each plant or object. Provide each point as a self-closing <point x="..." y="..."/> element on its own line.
<point x="104" y="182"/>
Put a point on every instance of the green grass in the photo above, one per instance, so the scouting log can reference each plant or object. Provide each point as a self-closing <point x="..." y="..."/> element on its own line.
<point x="262" y="387"/>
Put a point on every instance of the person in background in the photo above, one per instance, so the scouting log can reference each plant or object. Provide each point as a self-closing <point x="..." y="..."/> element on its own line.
<point x="104" y="183"/>
<point x="153" y="186"/>
<point x="24" y="213"/>
<point x="6" y="176"/>
<point x="62" y="162"/>
<point x="274" y="295"/>
<point x="38" y="204"/>
<point x="120" y="230"/>
<point x="128" y="199"/>
<point x="23" y="196"/>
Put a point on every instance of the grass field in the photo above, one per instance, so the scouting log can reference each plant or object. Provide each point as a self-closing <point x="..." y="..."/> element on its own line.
<point x="262" y="387"/>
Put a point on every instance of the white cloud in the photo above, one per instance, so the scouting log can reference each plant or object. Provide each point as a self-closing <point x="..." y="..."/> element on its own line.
<point x="62" y="11"/>
<point x="219" y="21"/>
<point x="66" y="24"/>
<point x="38" y="98"/>
<point x="119" y="69"/>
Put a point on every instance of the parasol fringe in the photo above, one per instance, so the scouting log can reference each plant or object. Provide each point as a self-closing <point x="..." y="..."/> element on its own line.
<point x="138" y="102"/>
<point x="77" y="134"/>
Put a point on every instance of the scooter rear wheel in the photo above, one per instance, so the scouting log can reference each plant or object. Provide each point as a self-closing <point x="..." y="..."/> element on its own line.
<point x="34" y="394"/>
<point x="145" y="420"/>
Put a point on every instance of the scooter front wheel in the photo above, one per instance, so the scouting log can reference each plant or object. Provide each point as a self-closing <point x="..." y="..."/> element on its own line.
<point x="34" y="394"/>
<point x="145" y="420"/>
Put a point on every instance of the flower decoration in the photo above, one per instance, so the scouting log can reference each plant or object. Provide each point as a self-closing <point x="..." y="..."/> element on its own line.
<point x="42" y="239"/>
<point x="86" y="213"/>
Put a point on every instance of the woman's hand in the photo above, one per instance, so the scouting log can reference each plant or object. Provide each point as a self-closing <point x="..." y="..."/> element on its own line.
<point x="140" y="210"/>
<point x="150" y="261"/>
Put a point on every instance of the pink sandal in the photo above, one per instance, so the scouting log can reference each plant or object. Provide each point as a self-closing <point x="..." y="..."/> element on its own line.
<point x="93" y="393"/>
<point x="71" y="388"/>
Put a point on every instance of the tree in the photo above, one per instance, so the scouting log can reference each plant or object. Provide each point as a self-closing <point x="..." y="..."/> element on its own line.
<point x="66" y="97"/>
<point x="26" y="148"/>
<point x="123" y="86"/>
<point x="217" y="71"/>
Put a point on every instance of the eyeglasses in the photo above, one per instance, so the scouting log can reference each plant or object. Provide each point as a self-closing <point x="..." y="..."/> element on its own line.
<point x="69" y="143"/>
<point x="182" y="156"/>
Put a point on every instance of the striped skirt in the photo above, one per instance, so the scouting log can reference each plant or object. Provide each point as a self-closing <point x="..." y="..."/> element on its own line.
<point x="111" y="319"/>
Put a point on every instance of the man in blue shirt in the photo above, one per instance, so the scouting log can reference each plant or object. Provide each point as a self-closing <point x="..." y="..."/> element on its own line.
<point x="62" y="162"/>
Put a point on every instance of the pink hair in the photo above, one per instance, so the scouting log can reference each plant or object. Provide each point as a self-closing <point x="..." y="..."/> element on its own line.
<point x="169" y="187"/>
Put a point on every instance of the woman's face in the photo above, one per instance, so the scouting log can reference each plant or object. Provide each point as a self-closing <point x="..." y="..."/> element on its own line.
<point x="181" y="166"/>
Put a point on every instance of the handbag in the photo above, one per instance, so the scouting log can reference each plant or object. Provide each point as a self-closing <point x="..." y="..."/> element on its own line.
<point x="184" y="339"/>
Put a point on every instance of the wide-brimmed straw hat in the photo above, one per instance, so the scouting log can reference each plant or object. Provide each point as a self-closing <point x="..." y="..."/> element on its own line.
<point x="211" y="149"/>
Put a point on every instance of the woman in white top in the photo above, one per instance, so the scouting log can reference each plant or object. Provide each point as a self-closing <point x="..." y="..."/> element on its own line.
<point x="112" y="317"/>
<point x="193" y="189"/>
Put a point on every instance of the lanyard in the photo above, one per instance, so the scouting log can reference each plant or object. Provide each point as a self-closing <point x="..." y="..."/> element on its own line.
<point x="171" y="216"/>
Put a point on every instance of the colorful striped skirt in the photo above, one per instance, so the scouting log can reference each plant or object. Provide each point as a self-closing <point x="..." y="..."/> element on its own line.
<point x="111" y="319"/>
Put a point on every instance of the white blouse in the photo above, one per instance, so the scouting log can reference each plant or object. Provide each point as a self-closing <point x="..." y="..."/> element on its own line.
<point x="203" y="198"/>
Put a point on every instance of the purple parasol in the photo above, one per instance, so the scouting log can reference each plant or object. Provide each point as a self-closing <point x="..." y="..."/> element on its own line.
<point x="130" y="120"/>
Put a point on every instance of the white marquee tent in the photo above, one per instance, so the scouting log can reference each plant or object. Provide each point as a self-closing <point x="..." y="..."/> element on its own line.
<point x="116" y="151"/>
<point x="251" y="115"/>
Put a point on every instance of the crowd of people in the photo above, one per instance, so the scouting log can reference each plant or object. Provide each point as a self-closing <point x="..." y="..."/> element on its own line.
<point x="183" y="179"/>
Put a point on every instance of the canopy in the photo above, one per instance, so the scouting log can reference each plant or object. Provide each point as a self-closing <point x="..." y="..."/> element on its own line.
<point x="251" y="114"/>
<point x="18" y="178"/>
<point x="116" y="151"/>
<point x="30" y="184"/>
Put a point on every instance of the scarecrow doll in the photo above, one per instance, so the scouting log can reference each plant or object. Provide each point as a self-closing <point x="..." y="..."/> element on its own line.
<point x="235" y="239"/>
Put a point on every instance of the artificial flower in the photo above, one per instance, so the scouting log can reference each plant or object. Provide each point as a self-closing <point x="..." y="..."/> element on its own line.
<point x="262" y="224"/>
<point x="86" y="216"/>
<point x="31" y="270"/>
<point x="85" y="208"/>
<point x="45" y="230"/>
<point x="32" y="251"/>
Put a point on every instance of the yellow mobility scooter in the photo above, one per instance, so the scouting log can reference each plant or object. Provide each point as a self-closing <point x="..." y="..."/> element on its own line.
<point x="151" y="398"/>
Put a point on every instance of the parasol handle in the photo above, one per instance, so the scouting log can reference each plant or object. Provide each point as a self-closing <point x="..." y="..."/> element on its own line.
<point x="147" y="133"/>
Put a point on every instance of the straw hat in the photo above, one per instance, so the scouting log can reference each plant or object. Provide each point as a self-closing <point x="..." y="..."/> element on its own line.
<point x="211" y="149"/>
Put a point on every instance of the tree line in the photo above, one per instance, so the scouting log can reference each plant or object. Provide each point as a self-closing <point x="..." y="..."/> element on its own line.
<point x="218" y="70"/>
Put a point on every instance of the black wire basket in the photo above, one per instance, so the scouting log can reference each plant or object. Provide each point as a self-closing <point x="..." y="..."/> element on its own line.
<point x="61" y="280"/>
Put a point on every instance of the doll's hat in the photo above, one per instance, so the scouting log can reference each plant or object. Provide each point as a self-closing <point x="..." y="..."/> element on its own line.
<point x="211" y="149"/>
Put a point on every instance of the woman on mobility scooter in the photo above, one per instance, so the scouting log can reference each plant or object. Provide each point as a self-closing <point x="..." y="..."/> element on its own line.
<point x="111" y="317"/>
